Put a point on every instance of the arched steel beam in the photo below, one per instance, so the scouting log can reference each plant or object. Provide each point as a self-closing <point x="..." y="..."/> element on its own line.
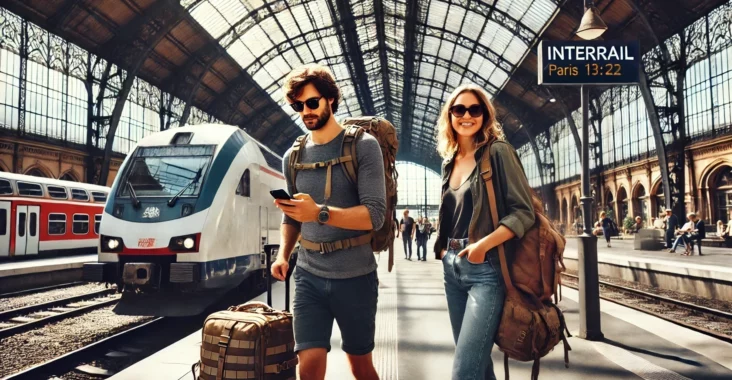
<point x="522" y="114"/>
<point x="651" y="106"/>
<point x="383" y="60"/>
<point x="131" y="48"/>
<point x="213" y="52"/>
<point x="352" y="53"/>
<point x="568" y="115"/>
<point x="227" y="102"/>
<point x="189" y="81"/>
<point x="535" y="148"/>
<point x="412" y="45"/>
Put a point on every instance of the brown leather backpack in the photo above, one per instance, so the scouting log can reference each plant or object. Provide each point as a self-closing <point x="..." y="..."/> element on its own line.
<point x="383" y="238"/>
<point x="531" y="325"/>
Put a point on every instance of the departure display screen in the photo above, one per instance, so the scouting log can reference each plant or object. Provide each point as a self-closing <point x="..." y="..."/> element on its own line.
<point x="588" y="62"/>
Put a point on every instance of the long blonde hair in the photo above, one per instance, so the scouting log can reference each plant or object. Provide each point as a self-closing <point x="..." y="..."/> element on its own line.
<point x="447" y="141"/>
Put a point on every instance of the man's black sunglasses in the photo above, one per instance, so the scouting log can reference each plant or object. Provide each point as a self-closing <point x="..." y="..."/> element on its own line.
<point x="459" y="110"/>
<point x="312" y="103"/>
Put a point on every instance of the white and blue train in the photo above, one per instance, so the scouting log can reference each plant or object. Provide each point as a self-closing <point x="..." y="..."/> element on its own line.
<point x="188" y="218"/>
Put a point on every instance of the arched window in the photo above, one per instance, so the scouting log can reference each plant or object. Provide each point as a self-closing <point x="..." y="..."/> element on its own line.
<point x="244" y="187"/>
<point x="576" y="215"/>
<point x="659" y="201"/>
<point x="35" y="172"/>
<point x="609" y="204"/>
<point x="640" y="202"/>
<point x="723" y="196"/>
<point x="622" y="204"/>
<point x="68" y="177"/>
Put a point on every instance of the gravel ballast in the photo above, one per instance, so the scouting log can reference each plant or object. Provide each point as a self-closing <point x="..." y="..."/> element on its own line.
<point x="47" y="296"/>
<point x="681" y="314"/>
<point x="33" y="347"/>
<point x="689" y="298"/>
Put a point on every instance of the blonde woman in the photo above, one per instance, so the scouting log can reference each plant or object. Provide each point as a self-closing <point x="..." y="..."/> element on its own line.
<point x="467" y="238"/>
<point x="721" y="230"/>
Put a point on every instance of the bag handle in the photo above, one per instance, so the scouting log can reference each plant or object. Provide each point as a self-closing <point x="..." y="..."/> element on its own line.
<point x="253" y="305"/>
<point x="486" y="171"/>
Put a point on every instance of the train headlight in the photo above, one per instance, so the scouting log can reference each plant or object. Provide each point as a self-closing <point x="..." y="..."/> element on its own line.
<point x="185" y="243"/>
<point x="111" y="243"/>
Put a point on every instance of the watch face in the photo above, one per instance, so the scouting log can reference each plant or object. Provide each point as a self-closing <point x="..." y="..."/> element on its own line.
<point x="323" y="216"/>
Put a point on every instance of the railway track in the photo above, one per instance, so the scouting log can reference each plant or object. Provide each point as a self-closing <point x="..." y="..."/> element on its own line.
<point x="22" y="319"/>
<point x="42" y="289"/>
<point x="71" y="360"/>
<point x="691" y="309"/>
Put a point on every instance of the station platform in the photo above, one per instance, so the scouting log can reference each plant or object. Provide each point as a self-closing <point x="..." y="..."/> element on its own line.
<point x="709" y="275"/>
<point x="26" y="274"/>
<point x="414" y="340"/>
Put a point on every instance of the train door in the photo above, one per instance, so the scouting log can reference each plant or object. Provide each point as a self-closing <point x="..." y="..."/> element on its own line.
<point x="21" y="229"/>
<point x="34" y="214"/>
<point x="4" y="228"/>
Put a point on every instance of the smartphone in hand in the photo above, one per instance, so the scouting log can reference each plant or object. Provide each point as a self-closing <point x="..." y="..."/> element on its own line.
<point x="280" y="194"/>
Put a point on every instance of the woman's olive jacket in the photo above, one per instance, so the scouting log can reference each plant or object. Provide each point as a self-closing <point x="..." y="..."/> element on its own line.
<point x="513" y="198"/>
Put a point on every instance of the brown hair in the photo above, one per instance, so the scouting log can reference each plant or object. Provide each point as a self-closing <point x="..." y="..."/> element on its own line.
<point x="320" y="76"/>
<point x="447" y="141"/>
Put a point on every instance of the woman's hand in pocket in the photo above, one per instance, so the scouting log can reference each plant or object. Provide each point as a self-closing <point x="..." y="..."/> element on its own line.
<point x="474" y="253"/>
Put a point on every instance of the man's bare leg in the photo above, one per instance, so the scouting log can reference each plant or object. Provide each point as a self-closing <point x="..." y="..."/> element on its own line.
<point x="312" y="363"/>
<point x="362" y="367"/>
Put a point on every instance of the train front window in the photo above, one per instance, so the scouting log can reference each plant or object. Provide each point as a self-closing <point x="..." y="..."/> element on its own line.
<point x="165" y="171"/>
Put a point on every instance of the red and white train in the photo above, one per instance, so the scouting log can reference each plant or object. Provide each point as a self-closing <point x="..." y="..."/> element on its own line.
<point x="48" y="216"/>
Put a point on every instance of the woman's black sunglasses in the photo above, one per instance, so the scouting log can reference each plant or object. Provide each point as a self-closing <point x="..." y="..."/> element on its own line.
<point x="459" y="110"/>
<point x="312" y="103"/>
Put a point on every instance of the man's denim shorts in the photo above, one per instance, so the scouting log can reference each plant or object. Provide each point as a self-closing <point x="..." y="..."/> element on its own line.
<point x="350" y="302"/>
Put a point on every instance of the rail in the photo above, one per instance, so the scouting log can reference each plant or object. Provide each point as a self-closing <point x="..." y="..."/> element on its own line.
<point x="65" y="363"/>
<point x="25" y="325"/>
<point x="667" y="301"/>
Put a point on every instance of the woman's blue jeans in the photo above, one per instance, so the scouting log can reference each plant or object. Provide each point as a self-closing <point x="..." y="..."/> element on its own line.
<point x="475" y="295"/>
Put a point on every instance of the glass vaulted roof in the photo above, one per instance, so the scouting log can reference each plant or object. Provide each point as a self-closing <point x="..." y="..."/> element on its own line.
<point x="389" y="51"/>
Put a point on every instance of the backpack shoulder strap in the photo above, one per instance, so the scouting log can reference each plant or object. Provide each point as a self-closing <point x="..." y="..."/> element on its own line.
<point x="486" y="172"/>
<point x="295" y="159"/>
<point x="353" y="133"/>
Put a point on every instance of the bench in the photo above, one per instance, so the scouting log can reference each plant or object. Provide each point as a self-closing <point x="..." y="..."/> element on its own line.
<point x="716" y="242"/>
<point x="649" y="240"/>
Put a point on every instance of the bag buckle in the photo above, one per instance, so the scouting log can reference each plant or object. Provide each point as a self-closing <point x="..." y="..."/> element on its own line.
<point x="284" y="366"/>
<point x="329" y="247"/>
<point x="455" y="244"/>
<point x="224" y="340"/>
<point x="487" y="171"/>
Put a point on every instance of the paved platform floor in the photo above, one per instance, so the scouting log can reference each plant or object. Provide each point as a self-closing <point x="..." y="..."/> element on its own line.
<point x="707" y="275"/>
<point x="413" y="340"/>
<point x="45" y="265"/>
<point x="713" y="256"/>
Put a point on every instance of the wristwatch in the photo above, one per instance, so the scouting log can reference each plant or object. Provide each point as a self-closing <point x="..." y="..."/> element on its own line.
<point x="324" y="215"/>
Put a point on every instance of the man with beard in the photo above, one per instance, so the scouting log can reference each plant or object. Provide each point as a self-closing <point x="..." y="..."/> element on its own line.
<point x="339" y="284"/>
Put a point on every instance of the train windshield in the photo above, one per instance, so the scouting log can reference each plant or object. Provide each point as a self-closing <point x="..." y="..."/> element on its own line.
<point x="165" y="171"/>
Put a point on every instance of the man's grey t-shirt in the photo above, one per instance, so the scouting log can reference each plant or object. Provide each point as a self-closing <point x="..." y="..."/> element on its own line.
<point x="370" y="192"/>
